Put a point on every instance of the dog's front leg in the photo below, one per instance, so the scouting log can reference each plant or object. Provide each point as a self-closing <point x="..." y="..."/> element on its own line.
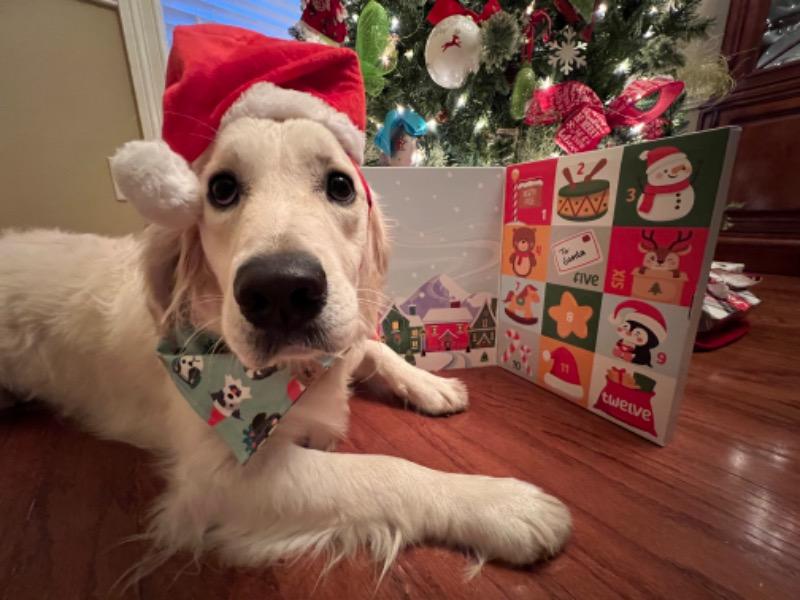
<point x="290" y="500"/>
<point x="381" y="367"/>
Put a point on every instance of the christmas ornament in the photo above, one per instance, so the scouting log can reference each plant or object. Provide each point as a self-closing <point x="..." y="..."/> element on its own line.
<point x="323" y="21"/>
<point x="453" y="49"/>
<point x="501" y="37"/>
<point x="584" y="121"/>
<point x="376" y="47"/>
<point x="567" y="54"/>
<point x="397" y="139"/>
<point x="525" y="80"/>
<point x="217" y="74"/>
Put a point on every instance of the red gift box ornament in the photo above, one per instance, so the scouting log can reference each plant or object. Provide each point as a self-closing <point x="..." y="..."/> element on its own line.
<point x="584" y="120"/>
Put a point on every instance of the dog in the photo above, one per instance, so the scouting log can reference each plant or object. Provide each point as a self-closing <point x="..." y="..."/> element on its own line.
<point x="82" y="314"/>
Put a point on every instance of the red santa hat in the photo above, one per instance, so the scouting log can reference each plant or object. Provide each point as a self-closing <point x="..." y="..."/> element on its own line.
<point x="643" y="313"/>
<point x="564" y="376"/>
<point x="217" y="74"/>
<point x="662" y="157"/>
<point x="323" y="21"/>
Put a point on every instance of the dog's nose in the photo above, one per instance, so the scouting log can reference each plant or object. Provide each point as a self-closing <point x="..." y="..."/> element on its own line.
<point x="280" y="291"/>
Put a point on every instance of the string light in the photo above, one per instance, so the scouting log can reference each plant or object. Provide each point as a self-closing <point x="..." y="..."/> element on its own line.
<point x="601" y="11"/>
<point x="400" y="109"/>
<point x="409" y="54"/>
<point x="462" y="100"/>
<point x="432" y="125"/>
<point x="395" y="23"/>
<point x="480" y="124"/>
<point x="554" y="155"/>
<point x="354" y="18"/>
<point x="530" y="8"/>
<point x="623" y="67"/>
<point x="546" y="83"/>
<point x="649" y="33"/>
<point x="637" y="129"/>
<point x="654" y="10"/>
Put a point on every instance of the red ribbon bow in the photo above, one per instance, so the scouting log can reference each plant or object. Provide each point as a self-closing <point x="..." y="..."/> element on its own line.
<point x="584" y="121"/>
<point x="447" y="8"/>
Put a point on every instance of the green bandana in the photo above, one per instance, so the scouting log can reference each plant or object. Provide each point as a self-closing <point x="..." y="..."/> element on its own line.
<point x="242" y="405"/>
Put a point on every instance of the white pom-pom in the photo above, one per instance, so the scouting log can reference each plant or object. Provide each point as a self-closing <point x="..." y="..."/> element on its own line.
<point x="158" y="182"/>
<point x="546" y="355"/>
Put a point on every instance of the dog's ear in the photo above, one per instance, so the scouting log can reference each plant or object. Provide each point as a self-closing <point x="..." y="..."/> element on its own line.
<point x="374" y="266"/>
<point x="175" y="271"/>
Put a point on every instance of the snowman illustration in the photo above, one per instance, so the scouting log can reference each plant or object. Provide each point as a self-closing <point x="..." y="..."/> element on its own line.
<point x="668" y="194"/>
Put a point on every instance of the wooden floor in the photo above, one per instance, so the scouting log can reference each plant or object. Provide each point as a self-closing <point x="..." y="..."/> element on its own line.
<point x="714" y="515"/>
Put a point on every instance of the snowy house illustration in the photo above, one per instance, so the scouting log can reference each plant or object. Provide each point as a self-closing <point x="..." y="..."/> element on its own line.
<point x="482" y="330"/>
<point x="402" y="331"/>
<point x="447" y="329"/>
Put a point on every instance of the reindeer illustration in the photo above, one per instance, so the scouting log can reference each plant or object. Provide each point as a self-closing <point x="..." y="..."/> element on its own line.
<point x="663" y="258"/>
<point x="454" y="42"/>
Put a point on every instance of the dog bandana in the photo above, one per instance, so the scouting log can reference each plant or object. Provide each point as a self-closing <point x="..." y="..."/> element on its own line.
<point x="242" y="405"/>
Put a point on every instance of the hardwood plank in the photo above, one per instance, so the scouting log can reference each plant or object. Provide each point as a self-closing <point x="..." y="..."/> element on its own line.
<point x="716" y="514"/>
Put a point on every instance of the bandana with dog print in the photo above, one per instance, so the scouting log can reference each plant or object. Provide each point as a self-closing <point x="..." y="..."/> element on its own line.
<point x="242" y="405"/>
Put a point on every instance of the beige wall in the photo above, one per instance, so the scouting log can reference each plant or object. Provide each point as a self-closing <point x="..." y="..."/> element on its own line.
<point x="66" y="103"/>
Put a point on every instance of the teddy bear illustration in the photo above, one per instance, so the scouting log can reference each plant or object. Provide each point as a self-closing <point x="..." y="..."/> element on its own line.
<point x="227" y="400"/>
<point x="668" y="194"/>
<point x="523" y="258"/>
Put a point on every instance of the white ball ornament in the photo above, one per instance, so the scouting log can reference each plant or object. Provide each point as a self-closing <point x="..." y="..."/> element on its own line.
<point x="453" y="51"/>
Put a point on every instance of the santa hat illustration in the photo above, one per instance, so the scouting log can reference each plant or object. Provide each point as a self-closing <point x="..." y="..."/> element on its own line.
<point x="643" y="313"/>
<point x="323" y="21"/>
<point x="217" y="74"/>
<point x="563" y="376"/>
<point x="662" y="158"/>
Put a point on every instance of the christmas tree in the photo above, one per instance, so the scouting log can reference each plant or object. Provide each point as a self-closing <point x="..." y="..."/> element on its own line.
<point x="604" y="45"/>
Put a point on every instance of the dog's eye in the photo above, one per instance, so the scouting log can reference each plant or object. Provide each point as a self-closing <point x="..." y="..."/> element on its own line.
<point x="340" y="188"/>
<point x="223" y="190"/>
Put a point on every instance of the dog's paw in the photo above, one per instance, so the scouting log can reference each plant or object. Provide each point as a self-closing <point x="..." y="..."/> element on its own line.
<point x="434" y="395"/>
<point x="516" y="522"/>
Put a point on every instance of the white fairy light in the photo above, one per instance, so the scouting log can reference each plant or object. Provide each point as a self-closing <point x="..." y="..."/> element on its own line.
<point x="432" y="125"/>
<point x="601" y="11"/>
<point x="654" y="10"/>
<point x="546" y="83"/>
<point x="354" y="18"/>
<point x="409" y="54"/>
<point x="480" y="124"/>
<point x="554" y="155"/>
<point x="623" y="67"/>
<point x="649" y="33"/>
<point x="395" y="23"/>
<point x="530" y="8"/>
<point x="637" y="129"/>
<point x="401" y="109"/>
<point x="462" y="100"/>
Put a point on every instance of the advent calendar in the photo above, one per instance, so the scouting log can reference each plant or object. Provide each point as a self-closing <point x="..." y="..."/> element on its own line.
<point x="582" y="274"/>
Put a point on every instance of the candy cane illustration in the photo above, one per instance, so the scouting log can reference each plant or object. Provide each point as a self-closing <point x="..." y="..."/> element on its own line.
<point x="525" y="351"/>
<point x="512" y="337"/>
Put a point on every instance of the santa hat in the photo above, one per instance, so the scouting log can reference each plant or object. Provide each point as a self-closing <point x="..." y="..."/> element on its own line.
<point x="563" y="376"/>
<point x="643" y="313"/>
<point x="323" y="21"/>
<point x="217" y="74"/>
<point x="662" y="157"/>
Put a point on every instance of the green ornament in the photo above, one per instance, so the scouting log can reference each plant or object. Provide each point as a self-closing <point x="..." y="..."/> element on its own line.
<point x="524" y="86"/>
<point x="376" y="53"/>
<point x="585" y="8"/>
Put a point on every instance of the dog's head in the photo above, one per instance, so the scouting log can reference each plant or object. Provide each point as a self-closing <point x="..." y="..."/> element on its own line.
<point x="287" y="254"/>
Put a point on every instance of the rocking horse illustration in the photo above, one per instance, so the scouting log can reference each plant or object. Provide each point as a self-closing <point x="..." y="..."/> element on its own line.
<point x="519" y="304"/>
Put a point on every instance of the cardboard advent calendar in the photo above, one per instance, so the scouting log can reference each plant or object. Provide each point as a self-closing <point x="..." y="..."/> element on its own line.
<point x="601" y="257"/>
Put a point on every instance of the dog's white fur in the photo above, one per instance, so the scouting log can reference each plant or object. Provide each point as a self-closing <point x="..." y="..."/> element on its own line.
<point x="82" y="314"/>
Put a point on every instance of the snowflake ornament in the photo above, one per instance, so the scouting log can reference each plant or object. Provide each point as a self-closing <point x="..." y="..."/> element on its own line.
<point x="566" y="54"/>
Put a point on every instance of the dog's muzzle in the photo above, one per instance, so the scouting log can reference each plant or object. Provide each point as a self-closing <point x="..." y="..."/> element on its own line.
<point x="281" y="293"/>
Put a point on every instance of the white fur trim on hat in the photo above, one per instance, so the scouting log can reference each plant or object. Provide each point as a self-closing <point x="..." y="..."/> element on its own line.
<point x="268" y="101"/>
<point x="573" y="390"/>
<point x="158" y="182"/>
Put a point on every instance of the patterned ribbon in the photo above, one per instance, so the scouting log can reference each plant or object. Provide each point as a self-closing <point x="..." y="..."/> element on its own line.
<point x="447" y="8"/>
<point x="584" y="121"/>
